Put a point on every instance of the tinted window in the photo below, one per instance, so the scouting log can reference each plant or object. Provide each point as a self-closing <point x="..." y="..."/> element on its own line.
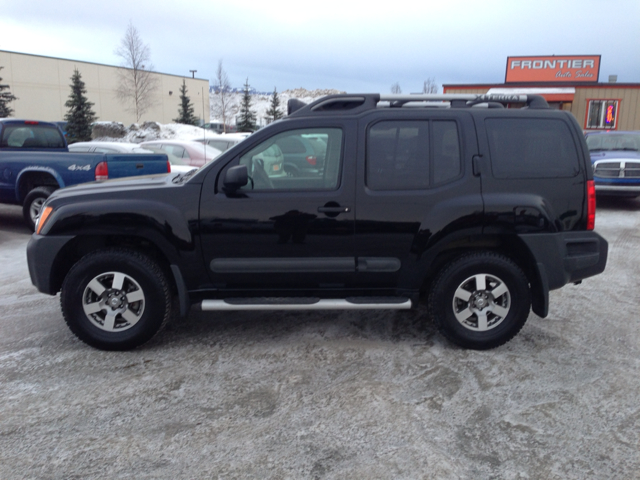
<point x="219" y="144"/>
<point x="79" y="149"/>
<point x="446" y="151"/>
<point x="31" y="136"/>
<point x="412" y="155"/>
<point x="531" y="148"/>
<point x="265" y="162"/>
<point x="175" y="150"/>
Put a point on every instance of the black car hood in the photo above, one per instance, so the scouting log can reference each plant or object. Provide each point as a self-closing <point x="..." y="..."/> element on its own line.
<point x="117" y="185"/>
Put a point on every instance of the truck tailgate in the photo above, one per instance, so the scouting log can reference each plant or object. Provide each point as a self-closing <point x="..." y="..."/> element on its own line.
<point x="128" y="165"/>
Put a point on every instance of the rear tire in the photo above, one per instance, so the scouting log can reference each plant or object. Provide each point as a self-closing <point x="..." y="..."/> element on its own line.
<point x="115" y="299"/>
<point x="33" y="204"/>
<point x="480" y="300"/>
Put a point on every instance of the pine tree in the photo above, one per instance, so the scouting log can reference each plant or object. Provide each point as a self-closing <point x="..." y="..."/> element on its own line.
<point x="185" y="110"/>
<point x="80" y="116"/>
<point x="5" y="99"/>
<point x="274" y="113"/>
<point x="247" y="121"/>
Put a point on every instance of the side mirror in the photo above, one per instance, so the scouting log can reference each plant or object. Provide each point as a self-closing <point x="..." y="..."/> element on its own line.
<point x="235" y="178"/>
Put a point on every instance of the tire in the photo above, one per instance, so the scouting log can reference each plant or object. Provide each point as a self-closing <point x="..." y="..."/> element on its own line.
<point x="480" y="300"/>
<point x="33" y="204"/>
<point x="115" y="299"/>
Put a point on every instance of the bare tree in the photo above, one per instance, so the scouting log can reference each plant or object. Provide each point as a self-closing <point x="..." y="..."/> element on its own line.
<point x="430" y="86"/>
<point x="395" y="88"/>
<point x="223" y="105"/>
<point x="137" y="84"/>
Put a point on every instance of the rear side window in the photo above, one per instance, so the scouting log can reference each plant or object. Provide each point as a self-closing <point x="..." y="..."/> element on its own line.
<point x="176" y="151"/>
<point x="531" y="148"/>
<point x="219" y="144"/>
<point x="412" y="154"/>
<point x="31" y="136"/>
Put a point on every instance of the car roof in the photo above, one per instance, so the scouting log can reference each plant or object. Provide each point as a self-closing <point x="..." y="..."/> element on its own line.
<point x="170" y="142"/>
<point x="234" y="136"/>
<point x="30" y="122"/>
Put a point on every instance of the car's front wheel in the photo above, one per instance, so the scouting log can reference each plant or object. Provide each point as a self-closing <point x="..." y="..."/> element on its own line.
<point x="115" y="299"/>
<point x="480" y="300"/>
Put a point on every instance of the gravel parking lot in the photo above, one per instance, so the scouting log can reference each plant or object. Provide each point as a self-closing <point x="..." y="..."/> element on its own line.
<point x="328" y="395"/>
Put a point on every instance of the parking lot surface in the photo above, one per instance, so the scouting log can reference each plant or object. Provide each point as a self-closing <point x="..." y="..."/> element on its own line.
<point x="358" y="395"/>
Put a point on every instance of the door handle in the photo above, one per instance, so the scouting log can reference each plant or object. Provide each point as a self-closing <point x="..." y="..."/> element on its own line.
<point x="139" y="165"/>
<point x="333" y="209"/>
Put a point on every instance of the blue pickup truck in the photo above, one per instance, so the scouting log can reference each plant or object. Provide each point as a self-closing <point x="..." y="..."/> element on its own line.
<point x="615" y="156"/>
<point x="35" y="161"/>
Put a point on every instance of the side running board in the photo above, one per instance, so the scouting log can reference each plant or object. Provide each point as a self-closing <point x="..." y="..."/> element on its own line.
<point x="352" y="303"/>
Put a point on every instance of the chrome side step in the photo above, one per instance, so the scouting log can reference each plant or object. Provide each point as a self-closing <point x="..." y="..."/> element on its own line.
<point x="354" y="303"/>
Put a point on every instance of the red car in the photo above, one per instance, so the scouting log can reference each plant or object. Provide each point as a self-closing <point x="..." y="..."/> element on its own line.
<point x="195" y="153"/>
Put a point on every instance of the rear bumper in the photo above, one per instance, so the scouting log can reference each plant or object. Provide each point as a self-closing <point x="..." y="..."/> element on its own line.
<point x="563" y="258"/>
<point x="568" y="257"/>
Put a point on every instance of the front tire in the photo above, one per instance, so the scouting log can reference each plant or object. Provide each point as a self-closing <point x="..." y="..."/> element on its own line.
<point x="115" y="299"/>
<point x="33" y="204"/>
<point x="481" y="300"/>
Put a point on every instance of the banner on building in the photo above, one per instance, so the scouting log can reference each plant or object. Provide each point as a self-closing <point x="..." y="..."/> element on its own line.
<point x="553" y="69"/>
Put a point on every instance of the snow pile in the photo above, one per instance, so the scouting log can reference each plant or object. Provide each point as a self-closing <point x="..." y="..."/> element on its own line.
<point x="117" y="132"/>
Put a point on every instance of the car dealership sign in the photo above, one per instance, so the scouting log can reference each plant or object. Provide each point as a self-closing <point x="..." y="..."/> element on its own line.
<point x="574" y="68"/>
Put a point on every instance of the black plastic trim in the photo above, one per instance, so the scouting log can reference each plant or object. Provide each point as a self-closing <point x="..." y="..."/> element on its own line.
<point x="283" y="265"/>
<point x="183" y="295"/>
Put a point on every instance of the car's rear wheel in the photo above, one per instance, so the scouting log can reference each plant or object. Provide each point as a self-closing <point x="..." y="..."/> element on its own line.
<point x="481" y="300"/>
<point x="115" y="299"/>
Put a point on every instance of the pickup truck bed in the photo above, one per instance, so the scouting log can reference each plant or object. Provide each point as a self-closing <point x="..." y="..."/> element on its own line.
<point x="35" y="161"/>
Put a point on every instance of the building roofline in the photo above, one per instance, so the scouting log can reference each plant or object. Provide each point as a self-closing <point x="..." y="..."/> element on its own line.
<point x="98" y="64"/>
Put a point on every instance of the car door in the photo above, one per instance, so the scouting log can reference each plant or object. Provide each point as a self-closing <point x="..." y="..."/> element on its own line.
<point x="281" y="232"/>
<point x="415" y="187"/>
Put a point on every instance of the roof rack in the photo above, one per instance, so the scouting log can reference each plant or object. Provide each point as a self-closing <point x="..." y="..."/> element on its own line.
<point x="357" y="103"/>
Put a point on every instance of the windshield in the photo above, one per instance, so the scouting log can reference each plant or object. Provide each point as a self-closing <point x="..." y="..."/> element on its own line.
<point x="603" y="142"/>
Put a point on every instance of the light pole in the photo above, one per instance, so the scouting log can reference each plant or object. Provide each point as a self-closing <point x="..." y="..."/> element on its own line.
<point x="193" y="73"/>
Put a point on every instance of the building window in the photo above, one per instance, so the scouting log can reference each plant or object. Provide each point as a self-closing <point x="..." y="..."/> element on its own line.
<point x="602" y="114"/>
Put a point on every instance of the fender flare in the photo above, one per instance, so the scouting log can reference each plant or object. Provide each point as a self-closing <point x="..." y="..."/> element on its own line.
<point x="38" y="169"/>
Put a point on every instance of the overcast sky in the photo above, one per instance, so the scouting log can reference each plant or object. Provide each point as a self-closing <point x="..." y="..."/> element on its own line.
<point x="350" y="46"/>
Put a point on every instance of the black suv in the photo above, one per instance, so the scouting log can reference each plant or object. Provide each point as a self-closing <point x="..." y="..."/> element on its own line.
<point x="452" y="200"/>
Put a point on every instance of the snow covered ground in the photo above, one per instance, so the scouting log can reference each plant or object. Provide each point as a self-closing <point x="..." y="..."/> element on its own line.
<point x="117" y="132"/>
<point x="353" y="395"/>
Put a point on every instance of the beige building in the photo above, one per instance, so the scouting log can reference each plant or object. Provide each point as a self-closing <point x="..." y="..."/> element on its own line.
<point x="42" y="85"/>
<point x="569" y="83"/>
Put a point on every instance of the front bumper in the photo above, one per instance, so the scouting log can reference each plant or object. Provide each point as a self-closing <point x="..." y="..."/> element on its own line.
<point x="622" y="188"/>
<point x="43" y="253"/>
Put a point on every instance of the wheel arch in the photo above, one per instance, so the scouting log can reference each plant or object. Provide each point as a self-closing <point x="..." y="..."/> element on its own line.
<point x="511" y="246"/>
<point x="38" y="177"/>
<point x="82" y="245"/>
